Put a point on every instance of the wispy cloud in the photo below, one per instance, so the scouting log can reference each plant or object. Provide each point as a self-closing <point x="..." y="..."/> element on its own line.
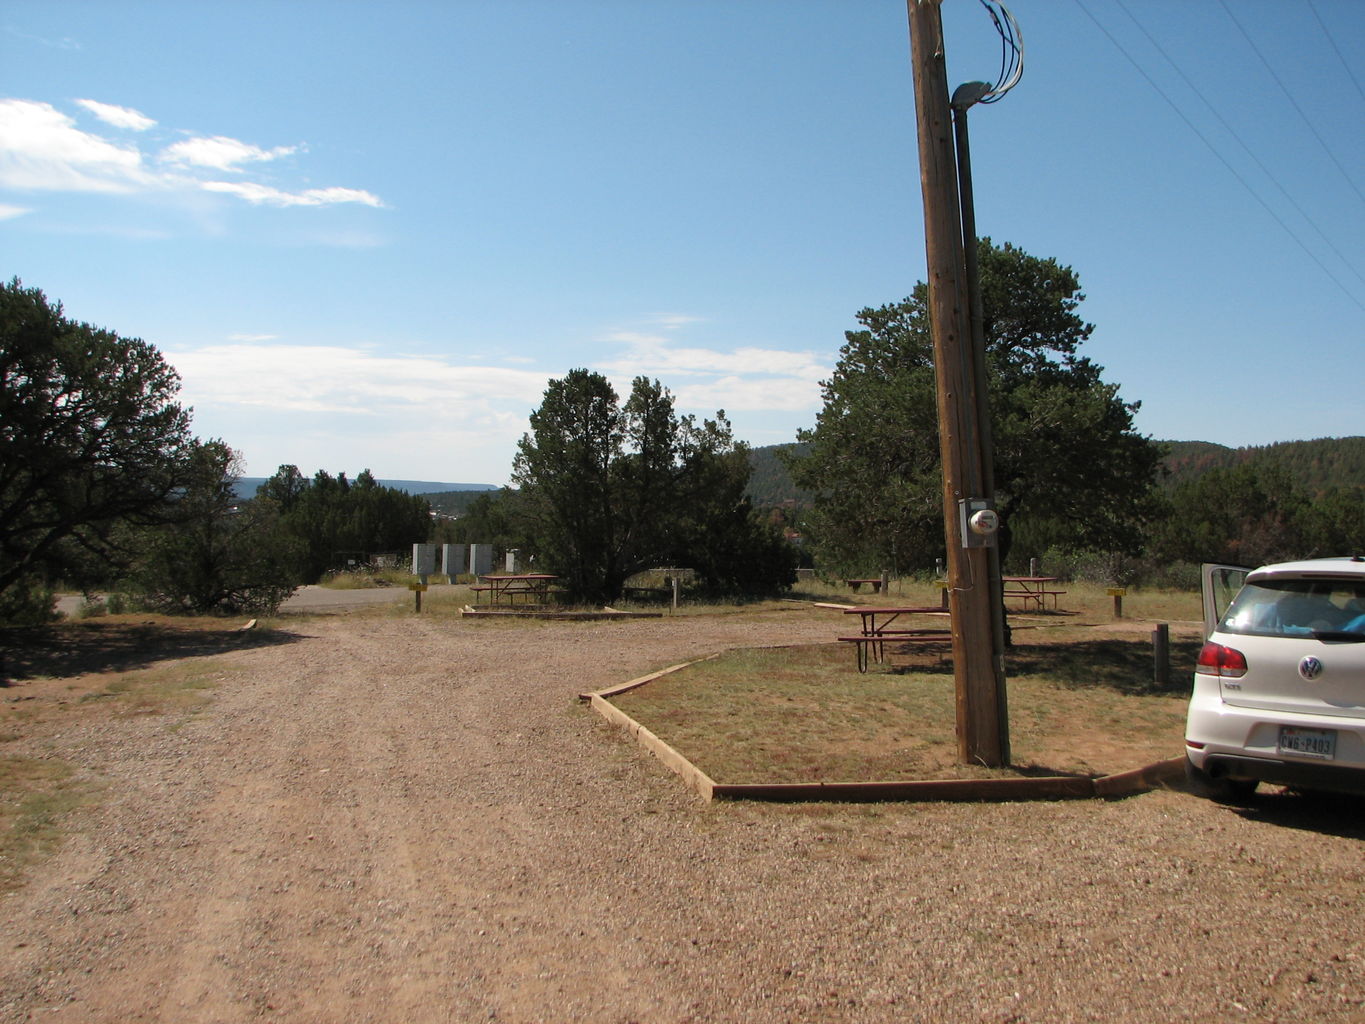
<point x="119" y="117"/>
<point x="64" y="43"/>
<point x="301" y="404"/>
<point x="259" y="194"/>
<point x="221" y="153"/>
<point x="43" y="149"/>
<point x="324" y="378"/>
<point x="8" y="212"/>
<point x="746" y="377"/>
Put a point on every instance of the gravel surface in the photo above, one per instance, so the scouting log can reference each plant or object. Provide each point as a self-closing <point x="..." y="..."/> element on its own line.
<point x="412" y="819"/>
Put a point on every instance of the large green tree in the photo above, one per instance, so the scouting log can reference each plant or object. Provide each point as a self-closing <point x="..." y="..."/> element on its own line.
<point x="91" y="439"/>
<point x="1068" y="465"/>
<point x="610" y="489"/>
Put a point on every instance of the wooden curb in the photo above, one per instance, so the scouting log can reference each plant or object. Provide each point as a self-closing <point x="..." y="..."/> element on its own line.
<point x="612" y="691"/>
<point x="1139" y="780"/>
<point x="1048" y="787"/>
<point x="693" y="776"/>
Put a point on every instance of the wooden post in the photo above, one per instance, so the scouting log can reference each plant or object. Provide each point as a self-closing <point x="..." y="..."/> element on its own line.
<point x="1117" y="594"/>
<point x="982" y="726"/>
<point x="1161" y="654"/>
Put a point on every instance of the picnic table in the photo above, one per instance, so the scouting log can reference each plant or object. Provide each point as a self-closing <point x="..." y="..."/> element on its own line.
<point x="880" y="624"/>
<point x="1032" y="591"/>
<point x="508" y="588"/>
<point x="856" y="585"/>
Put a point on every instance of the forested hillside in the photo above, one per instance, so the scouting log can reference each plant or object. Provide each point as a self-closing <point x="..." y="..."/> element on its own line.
<point x="770" y="485"/>
<point x="1313" y="465"/>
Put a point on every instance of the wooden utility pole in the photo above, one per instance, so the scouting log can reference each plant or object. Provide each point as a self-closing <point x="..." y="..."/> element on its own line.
<point x="982" y="725"/>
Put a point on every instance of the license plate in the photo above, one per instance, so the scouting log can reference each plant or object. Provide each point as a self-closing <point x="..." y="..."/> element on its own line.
<point x="1319" y="743"/>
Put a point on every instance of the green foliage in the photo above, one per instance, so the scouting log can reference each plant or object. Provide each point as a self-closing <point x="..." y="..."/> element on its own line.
<point x="1253" y="514"/>
<point x="1314" y="467"/>
<point x="27" y="601"/>
<point x="1067" y="460"/>
<point x="608" y="490"/>
<point x="220" y="557"/>
<point x="329" y="519"/>
<point x="91" y="439"/>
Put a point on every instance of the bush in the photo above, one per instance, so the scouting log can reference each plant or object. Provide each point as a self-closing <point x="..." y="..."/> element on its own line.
<point x="27" y="602"/>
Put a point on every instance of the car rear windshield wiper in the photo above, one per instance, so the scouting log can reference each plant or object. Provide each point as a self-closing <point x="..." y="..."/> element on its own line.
<point x="1339" y="635"/>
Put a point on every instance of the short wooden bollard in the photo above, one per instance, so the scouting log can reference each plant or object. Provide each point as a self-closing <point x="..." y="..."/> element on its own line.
<point x="417" y="589"/>
<point x="942" y="591"/>
<point x="1161" y="654"/>
<point x="1117" y="594"/>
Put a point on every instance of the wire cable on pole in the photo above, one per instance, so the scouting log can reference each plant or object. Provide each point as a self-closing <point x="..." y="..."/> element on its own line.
<point x="1011" y="50"/>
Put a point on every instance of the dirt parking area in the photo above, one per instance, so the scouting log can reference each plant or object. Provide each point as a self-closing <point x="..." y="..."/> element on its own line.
<point x="404" y="818"/>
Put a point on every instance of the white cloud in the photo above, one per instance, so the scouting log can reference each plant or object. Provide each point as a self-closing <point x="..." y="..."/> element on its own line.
<point x="252" y="337"/>
<point x="119" y="117"/>
<point x="653" y="356"/>
<point x="673" y="321"/>
<point x="331" y="407"/>
<point x="41" y="148"/>
<point x="8" y="212"/>
<point x="221" y="153"/>
<point x="258" y="194"/>
<point x="750" y="394"/>
<point x="331" y="379"/>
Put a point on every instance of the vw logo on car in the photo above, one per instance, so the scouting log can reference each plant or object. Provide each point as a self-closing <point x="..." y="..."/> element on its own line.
<point x="1310" y="668"/>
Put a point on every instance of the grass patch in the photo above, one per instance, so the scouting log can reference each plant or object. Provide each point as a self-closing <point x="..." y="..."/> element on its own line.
<point x="806" y="715"/>
<point x="35" y="795"/>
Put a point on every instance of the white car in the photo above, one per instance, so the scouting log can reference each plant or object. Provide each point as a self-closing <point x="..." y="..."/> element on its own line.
<point x="1279" y="690"/>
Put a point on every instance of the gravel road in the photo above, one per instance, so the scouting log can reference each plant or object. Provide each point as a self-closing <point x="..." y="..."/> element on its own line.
<point x="413" y="820"/>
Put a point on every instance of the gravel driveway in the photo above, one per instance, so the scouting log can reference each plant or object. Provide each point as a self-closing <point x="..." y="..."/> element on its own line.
<point x="413" y="820"/>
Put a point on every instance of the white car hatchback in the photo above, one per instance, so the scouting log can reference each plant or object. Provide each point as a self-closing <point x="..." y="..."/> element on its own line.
<point x="1279" y="689"/>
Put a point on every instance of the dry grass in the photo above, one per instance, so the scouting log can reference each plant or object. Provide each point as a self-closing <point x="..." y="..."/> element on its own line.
<point x="1081" y="701"/>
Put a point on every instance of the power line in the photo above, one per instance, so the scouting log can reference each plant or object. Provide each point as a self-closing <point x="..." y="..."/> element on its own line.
<point x="1245" y="148"/>
<point x="1337" y="50"/>
<point x="1295" y="103"/>
<point x="1221" y="159"/>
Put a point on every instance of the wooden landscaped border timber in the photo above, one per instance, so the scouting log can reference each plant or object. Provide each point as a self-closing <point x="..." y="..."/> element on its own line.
<point x="1052" y="787"/>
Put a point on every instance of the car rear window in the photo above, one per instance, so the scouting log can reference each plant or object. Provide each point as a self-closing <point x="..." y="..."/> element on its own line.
<point x="1297" y="607"/>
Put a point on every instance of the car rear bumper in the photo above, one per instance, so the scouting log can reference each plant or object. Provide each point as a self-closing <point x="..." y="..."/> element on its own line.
<point x="1309" y="775"/>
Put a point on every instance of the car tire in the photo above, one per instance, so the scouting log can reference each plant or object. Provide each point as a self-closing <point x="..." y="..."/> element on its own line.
<point x="1219" y="789"/>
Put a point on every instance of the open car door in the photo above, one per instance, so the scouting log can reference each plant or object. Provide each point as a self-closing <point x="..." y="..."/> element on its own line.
<point x="1219" y="584"/>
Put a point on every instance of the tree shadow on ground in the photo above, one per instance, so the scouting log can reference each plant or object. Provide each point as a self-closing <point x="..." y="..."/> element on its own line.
<point x="64" y="650"/>
<point x="1124" y="665"/>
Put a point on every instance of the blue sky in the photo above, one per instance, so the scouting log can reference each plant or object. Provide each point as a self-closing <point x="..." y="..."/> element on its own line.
<point x="366" y="234"/>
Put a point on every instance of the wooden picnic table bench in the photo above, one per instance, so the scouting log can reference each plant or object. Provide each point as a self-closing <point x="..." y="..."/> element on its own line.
<point x="856" y="585"/>
<point x="509" y="588"/>
<point x="880" y="624"/>
<point x="1032" y="591"/>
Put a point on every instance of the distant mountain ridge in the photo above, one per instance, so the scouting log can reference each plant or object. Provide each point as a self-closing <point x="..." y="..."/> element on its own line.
<point x="247" y="486"/>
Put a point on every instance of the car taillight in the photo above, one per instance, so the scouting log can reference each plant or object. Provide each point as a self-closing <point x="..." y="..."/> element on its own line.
<point x="1218" y="660"/>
